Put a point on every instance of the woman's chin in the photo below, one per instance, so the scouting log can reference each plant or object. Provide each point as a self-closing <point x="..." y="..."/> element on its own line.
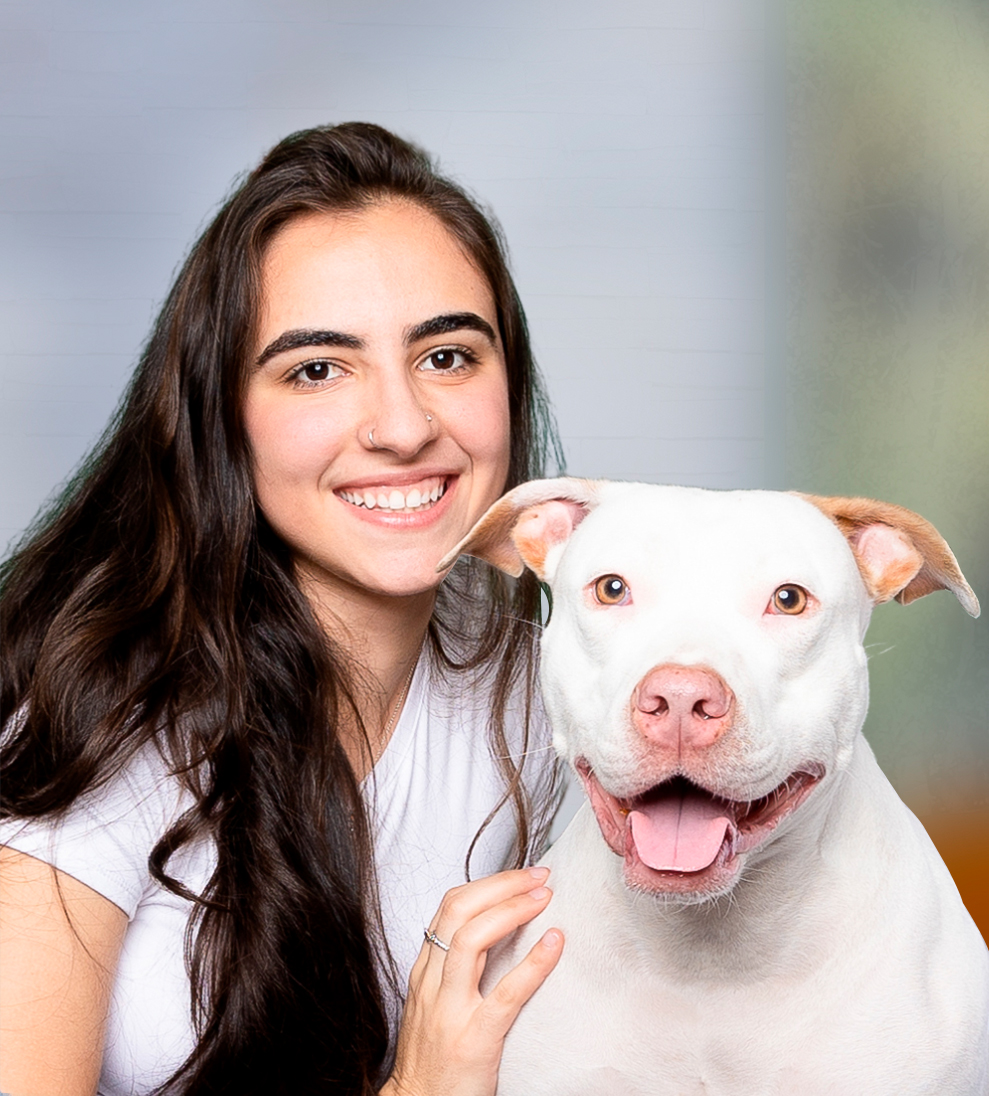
<point x="399" y="575"/>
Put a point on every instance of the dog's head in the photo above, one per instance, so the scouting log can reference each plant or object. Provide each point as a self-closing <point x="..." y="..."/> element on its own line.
<point x="703" y="666"/>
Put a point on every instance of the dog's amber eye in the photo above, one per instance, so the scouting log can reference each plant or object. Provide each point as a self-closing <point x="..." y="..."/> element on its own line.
<point x="790" y="600"/>
<point x="610" y="590"/>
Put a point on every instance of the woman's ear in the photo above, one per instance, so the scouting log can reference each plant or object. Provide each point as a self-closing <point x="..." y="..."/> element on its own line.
<point x="522" y="527"/>
<point x="899" y="554"/>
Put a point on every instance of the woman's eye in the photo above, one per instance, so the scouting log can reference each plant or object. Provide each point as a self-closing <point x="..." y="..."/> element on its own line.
<point x="314" y="372"/>
<point x="790" y="600"/>
<point x="446" y="360"/>
<point x="611" y="590"/>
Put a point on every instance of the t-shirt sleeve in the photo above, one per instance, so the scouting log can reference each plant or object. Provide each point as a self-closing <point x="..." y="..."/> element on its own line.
<point x="107" y="835"/>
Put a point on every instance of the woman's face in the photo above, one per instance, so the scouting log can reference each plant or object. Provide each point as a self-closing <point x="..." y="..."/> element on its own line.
<point x="377" y="405"/>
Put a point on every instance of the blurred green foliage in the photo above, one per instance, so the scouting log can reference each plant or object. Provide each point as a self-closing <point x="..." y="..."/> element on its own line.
<point x="888" y="339"/>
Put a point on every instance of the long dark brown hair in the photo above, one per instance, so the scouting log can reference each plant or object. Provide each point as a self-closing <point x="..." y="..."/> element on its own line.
<point x="153" y="603"/>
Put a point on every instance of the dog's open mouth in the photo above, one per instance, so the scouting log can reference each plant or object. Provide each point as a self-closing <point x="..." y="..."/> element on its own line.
<point x="679" y="837"/>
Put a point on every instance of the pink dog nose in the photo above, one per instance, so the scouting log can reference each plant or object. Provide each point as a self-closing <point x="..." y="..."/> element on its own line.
<point x="682" y="706"/>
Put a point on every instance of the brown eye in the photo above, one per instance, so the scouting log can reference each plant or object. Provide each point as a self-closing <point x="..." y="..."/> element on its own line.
<point x="791" y="600"/>
<point x="449" y="359"/>
<point x="610" y="590"/>
<point x="312" y="373"/>
<point x="443" y="359"/>
<point x="316" y="371"/>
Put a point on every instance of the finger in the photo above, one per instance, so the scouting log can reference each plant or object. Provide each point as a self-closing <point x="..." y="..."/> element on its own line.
<point x="470" y="943"/>
<point x="419" y="966"/>
<point x="502" y="1004"/>
<point x="462" y="903"/>
<point x="433" y="951"/>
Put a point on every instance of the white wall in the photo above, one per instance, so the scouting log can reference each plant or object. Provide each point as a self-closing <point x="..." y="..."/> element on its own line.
<point x="622" y="146"/>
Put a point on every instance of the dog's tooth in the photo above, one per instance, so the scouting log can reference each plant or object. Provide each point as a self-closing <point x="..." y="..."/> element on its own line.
<point x="369" y="500"/>
<point x="382" y="500"/>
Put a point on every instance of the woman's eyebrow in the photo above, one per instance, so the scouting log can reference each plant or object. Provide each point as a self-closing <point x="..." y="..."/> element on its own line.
<point x="428" y="329"/>
<point x="447" y="322"/>
<point x="292" y="340"/>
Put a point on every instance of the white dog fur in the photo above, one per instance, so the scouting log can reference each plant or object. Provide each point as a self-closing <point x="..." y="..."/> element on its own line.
<point x="824" y="949"/>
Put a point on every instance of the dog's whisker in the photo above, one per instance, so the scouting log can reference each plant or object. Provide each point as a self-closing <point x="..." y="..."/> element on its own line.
<point x="522" y="620"/>
<point x="525" y="753"/>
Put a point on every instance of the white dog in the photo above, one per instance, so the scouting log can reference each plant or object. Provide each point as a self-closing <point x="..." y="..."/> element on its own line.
<point x="749" y="908"/>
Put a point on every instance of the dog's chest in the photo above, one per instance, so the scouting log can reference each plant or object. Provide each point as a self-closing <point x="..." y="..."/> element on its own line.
<point x="602" y="1031"/>
<point x="833" y="1010"/>
<point x="613" y="1032"/>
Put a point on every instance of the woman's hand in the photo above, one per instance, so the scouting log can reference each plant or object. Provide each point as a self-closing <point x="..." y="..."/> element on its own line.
<point x="451" y="1036"/>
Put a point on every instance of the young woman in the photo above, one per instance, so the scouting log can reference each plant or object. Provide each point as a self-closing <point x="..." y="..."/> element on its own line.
<point x="249" y="741"/>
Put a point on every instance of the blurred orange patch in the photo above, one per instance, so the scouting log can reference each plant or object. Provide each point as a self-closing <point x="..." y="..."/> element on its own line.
<point x="962" y="839"/>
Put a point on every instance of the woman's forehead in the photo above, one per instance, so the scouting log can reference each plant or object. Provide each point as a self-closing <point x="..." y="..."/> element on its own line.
<point x="392" y="228"/>
<point x="392" y="261"/>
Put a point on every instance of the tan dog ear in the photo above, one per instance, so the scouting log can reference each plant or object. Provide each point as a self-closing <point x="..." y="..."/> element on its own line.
<point x="899" y="554"/>
<point x="521" y="527"/>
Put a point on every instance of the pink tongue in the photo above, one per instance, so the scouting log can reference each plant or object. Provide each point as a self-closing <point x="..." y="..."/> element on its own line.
<point x="681" y="832"/>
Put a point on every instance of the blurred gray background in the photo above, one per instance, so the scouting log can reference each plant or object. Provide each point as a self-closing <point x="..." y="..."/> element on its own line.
<point x="620" y="146"/>
<point x="743" y="265"/>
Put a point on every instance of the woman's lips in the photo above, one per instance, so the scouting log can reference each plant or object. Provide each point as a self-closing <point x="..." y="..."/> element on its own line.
<point x="407" y="499"/>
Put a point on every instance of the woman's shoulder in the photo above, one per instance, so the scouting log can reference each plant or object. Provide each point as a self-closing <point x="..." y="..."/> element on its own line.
<point x="463" y="730"/>
<point x="468" y="696"/>
<point x="106" y="835"/>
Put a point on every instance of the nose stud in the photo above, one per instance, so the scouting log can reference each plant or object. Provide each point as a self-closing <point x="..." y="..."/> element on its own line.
<point x="429" y="418"/>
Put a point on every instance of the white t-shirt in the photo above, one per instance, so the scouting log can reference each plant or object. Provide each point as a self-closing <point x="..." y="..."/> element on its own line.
<point x="428" y="794"/>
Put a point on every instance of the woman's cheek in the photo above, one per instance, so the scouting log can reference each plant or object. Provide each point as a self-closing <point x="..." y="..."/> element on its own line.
<point x="481" y="426"/>
<point x="292" y="443"/>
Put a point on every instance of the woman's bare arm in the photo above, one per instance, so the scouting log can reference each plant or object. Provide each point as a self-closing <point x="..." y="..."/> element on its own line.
<point x="60" y="942"/>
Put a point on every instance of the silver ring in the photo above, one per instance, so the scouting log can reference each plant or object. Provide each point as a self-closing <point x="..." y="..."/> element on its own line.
<point x="370" y="438"/>
<point x="432" y="938"/>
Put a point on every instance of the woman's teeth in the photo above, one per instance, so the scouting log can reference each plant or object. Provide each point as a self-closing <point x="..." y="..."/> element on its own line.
<point x="420" y="497"/>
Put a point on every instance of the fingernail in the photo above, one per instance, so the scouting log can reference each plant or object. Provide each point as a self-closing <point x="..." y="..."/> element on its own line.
<point x="539" y="893"/>
<point x="551" y="939"/>
<point x="539" y="873"/>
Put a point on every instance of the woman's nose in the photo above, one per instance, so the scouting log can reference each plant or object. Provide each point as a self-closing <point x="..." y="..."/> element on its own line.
<point x="396" y="419"/>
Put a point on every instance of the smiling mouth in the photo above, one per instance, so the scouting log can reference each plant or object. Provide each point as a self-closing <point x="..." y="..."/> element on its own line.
<point x="410" y="499"/>
<point x="678" y="836"/>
